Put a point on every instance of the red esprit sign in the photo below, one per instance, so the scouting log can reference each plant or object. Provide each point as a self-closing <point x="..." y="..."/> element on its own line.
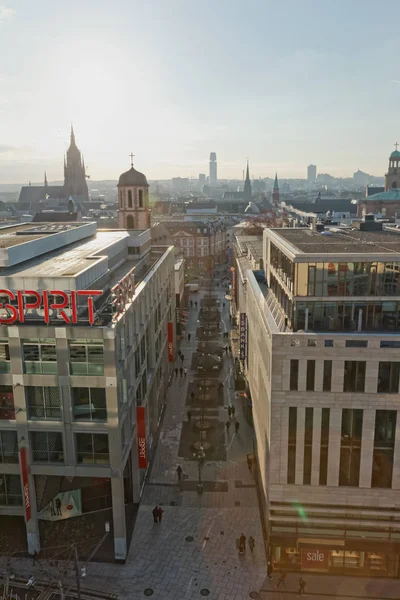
<point x="141" y="433"/>
<point x="170" y="342"/>
<point x="314" y="558"/>
<point x="25" y="484"/>
<point x="123" y="292"/>
<point x="48" y="301"/>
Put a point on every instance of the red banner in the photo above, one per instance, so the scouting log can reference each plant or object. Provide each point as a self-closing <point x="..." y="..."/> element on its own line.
<point x="25" y="484"/>
<point x="314" y="558"/>
<point x="141" y="436"/>
<point x="170" y="342"/>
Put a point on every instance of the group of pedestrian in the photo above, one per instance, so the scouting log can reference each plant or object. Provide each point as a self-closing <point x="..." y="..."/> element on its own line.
<point x="181" y="370"/>
<point x="157" y="514"/>
<point x="242" y="543"/>
<point x="181" y="356"/>
<point x="231" y="410"/>
<point x="237" y="426"/>
<point x="281" y="582"/>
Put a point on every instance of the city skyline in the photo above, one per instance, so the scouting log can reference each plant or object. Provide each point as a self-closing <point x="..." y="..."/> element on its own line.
<point x="303" y="93"/>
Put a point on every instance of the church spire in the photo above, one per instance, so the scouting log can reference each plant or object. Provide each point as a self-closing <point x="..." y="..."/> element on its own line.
<point x="72" y="139"/>
<point x="45" y="179"/>
<point x="247" y="184"/>
<point x="275" y="193"/>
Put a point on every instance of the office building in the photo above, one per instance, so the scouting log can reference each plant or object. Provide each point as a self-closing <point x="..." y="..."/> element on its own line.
<point x="87" y="336"/>
<point x="320" y="347"/>
<point x="213" y="169"/>
<point x="311" y="173"/>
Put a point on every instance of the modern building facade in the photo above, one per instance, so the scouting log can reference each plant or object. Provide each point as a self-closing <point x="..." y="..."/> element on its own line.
<point x="321" y="359"/>
<point x="203" y="243"/>
<point x="311" y="173"/>
<point x="87" y="334"/>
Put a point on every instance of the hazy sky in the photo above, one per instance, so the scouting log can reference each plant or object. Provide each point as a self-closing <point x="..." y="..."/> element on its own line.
<point x="285" y="83"/>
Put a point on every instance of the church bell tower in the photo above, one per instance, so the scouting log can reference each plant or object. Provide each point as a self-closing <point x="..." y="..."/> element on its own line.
<point x="392" y="177"/>
<point x="133" y="200"/>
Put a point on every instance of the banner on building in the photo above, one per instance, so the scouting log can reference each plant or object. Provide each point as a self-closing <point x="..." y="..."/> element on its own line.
<point x="314" y="558"/>
<point x="141" y="435"/>
<point x="63" y="506"/>
<point x="233" y="283"/>
<point x="170" y="342"/>
<point x="25" y="484"/>
<point x="243" y="337"/>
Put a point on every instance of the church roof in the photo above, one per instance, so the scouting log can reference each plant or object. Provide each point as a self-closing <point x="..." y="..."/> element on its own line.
<point x="392" y="195"/>
<point x="395" y="154"/>
<point x="35" y="193"/>
<point x="133" y="177"/>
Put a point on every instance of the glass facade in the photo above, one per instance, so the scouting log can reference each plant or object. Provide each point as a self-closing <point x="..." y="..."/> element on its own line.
<point x="39" y="356"/>
<point x="86" y="357"/>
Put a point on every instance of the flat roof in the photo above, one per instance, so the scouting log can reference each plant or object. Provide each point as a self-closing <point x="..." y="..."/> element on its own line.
<point x="305" y="241"/>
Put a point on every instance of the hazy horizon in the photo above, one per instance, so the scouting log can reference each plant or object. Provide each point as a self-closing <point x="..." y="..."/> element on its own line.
<point x="285" y="84"/>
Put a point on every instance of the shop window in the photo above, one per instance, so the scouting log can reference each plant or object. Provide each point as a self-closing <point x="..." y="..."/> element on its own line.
<point x="10" y="490"/>
<point x="384" y="439"/>
<point x="388" y="377"/>
<point x="47" y="446"/>
<point x="291" y="473"/>
<point x="92" y="448"/>
<point x="308" y="437"/>
<point x="39" y="357"/>
<point x="294" y="375"/>
<point x="327" y="376"/>
<point x="323" y="459"/>
<point x="354" y="375"/>
<point x="89" y="404"/>
<point x="86" y="358"/>
<point x="8" y="447"/>
<point x="310" y="380"/>
<point x="350" y="447"/>
<point x="43" y="402"/>
<point x="7" y="411"/>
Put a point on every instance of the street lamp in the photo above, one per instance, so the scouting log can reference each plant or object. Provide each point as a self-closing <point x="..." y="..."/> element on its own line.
<point x="199" y="456"/>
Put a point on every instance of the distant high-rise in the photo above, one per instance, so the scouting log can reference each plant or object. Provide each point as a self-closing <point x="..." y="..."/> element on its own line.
<point x="311" y="173"/>
<point x="202" y="180"/>
<point x="213" y="168"/>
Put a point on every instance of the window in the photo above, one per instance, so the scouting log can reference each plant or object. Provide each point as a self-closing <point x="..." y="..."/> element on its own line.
<point x="47" y="446"/>
<point x="43" y="402"/>
<point x="390" y="344"/>
<point x="5" y="365"/>
<point x="86" y="358"/>
<point x="92" y="448"/>
<point x="323" y="459"/>
<point x="7" y="411"/>
<point x="308" y="436"/>
<point x="40" y="356"/>
<point x="310" y="375"/>
<point x="328" y="343"/>
<point x="89" y="404"/>
<point x="388" y="377"/>
<point x="327" y="377"/>
<point x="140" y="198"/>
<point x="294" y="374"/>
<point x="354" y="376"/>
<point x="130" y="224"/>
<point x="356" y="344"/>
<point x="311" y="343"/>
<point x="291" y="472"/>
<point x="382" y="462"/>
<point x="10" y="490"/>
<point x="129" y="198"/>
<point x="8" y="447"/>
<point x="350" y="447"/>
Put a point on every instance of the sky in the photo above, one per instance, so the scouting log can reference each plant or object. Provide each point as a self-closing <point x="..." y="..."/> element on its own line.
<point x="283" y="83"/>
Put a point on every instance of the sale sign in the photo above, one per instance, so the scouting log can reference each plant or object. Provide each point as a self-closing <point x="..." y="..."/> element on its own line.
<point x="141" y="435"/>
<point x="170" y="342"/>
<point x="314" y="558"/>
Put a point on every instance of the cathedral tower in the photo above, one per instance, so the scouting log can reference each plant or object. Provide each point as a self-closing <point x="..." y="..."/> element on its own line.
<point x="275" y="193"/>
<point x="392" y="177"/>
<point x="133" y="200"/>
<point x="247" y="185"/>
<point x="74" y="171"/>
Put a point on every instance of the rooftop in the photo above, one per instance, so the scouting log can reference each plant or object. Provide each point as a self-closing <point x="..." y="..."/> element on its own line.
<point x="346" y="241"/>
<point x="389" y="196"/>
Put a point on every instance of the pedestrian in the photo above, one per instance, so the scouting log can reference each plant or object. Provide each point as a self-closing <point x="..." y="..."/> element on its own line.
<point x="189" y="415"/>
<point x="179" y="352"/>
<point x="223" y="305"/>
<point x="179" y="471"/>
<point x="227" y="425"/>
<point x="233" y="410"/>
<point x="31" y="582"/>
<point x="159" y="513"/>
<point x="189" y="336"/>
<point x="185" y="371"/>
<point x="35" y="556"/>
<point x="182" y="358"/>
<point x="181" y="371"/>
<point x="302" y="587"/>
<point x="192" y="396"/>
<point x="195" y="304"/>
<point x="176" y="371"/>
<point x="252" y="544"/>
<point x="58" y="506"/>
<point x="229" y="410"/>
<point x="155" y="514"/>
<point x="237" y="425"/>
<point x="230" y="348"/>
<point x="269" y="568"/>
<point x="242" y="543"/>
<point x="191" y="303"/>
<point x="249" y="463"/>
<point x="281" y="580"/>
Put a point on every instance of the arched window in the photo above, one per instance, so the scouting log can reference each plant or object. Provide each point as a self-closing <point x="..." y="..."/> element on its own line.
<point x="130" y="222"/>
<point x="394" y="184"/>
<point x="140" y="198"/>
<point x="129" y="198"/>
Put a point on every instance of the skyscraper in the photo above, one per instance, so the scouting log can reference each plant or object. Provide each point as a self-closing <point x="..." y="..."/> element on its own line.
<point x="311" y="173"/>
<point x="213" y="168"/>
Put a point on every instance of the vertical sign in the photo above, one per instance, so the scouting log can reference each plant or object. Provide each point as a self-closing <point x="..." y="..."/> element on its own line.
<point x="170" y="342"/>
<point x="141" y="436"/>
<point x="243" y="337"/>
<point x="25" y="484"/>
<point x="233" y="274"/>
